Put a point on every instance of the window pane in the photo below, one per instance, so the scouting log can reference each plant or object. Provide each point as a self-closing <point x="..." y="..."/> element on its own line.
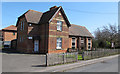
<point x="73" y="42"/>
<point x="59" y="25"/>
<point x="59" y="42"/>
<point x="73" y="47"/>
<point x="88" y="43"/>
<point x="60" y="28"/>
<point x="89" y="47"/>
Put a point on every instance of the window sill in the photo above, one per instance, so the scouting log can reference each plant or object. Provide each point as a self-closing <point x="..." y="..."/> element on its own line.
<point x="58" y="48"/>
<point x="59" y="30"/>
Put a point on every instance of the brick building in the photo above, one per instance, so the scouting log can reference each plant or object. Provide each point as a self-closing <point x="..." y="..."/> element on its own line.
<point x="49" y="32"/>
<point x="8" y="34"/>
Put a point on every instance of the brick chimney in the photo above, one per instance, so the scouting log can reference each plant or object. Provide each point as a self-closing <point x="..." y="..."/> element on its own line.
<point x="53" y="7"/>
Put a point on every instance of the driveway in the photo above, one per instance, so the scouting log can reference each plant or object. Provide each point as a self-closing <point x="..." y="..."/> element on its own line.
<point x="22" y="62"/>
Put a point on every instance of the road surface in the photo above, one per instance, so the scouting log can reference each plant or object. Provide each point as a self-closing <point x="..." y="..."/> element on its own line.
<point x="110" y="65"/>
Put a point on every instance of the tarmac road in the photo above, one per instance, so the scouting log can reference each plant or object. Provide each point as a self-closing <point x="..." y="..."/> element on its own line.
<point x="110" y="65"/>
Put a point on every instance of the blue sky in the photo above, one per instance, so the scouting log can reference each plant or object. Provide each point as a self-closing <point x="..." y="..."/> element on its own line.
<point x="92" y="15"/>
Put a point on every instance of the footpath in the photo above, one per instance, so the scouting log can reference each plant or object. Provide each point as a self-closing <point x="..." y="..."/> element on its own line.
<point x="64" y="67"/>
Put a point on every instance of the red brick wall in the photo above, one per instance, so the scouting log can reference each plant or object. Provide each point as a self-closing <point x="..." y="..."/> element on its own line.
<point x="8" y="35"/>
<point x="53" y="34"/>
<point x="43" y="38"/>
<point x="22" y="46"/>
<point x="27" y="45"/>
<point x="33" y="30"/>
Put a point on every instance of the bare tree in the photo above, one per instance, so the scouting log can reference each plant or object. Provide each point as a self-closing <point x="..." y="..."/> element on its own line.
<point x="107" y="36"/>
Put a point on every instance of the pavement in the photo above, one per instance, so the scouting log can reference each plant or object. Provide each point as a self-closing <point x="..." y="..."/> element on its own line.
<point x="110" y="65"/>
<point x="65" y="67"/>
<point x="35" y="63"/>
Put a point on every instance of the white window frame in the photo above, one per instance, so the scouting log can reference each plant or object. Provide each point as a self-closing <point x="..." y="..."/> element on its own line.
<point x="82" y="40"/>
<point x="89" y="41"/>
<point x="73" y="46"/>
<point x="59" y="25"/>
<point x="59" y="43"/>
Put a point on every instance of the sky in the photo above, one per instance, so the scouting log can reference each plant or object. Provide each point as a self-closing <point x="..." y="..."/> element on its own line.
<point x="92" y="15"/>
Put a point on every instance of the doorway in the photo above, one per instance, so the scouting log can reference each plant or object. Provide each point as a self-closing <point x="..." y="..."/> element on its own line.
<point x="36" y="46"/>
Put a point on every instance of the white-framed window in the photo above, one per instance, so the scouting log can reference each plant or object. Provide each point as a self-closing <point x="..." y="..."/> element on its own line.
<point x="82" y="40"/>
<point x="89" y="44"/>
<point x="59" y="43"/>
<point x="73" y="43"/>
<point x="59" y="25"/>
<point x="89" y="40"/>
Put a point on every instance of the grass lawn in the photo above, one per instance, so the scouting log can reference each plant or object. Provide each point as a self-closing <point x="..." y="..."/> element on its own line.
<point x="79" y="57"/>
<point x="73" y="56"/>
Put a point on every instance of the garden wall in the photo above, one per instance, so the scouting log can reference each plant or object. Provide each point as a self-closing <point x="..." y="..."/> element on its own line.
<point x="61" y="58"/>
<point x="99" y="53"/>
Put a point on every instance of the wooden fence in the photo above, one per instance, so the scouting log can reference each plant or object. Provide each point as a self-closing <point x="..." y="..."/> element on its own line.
<point x="61" y="58"/>
<point x="99" y="53"/>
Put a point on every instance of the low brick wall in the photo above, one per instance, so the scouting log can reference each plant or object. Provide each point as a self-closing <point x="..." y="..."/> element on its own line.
<point x="99" y="53"/>
<point x="61" y="58"/>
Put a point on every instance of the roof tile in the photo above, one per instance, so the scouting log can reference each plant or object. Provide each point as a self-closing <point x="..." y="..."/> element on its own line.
<point x="11" y="27"/>
<point x="77" y="30"/>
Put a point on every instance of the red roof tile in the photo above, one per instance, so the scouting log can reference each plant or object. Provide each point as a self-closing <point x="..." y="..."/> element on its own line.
<point x="11" y="27"/>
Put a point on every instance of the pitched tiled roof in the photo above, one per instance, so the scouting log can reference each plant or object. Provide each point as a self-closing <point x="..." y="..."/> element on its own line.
<point x="40" y="18"/>
<point x="11" y="27"/>
<point x="76" y="30"/>
<point x="33" y="16"/>
<point x="48" y="15"/>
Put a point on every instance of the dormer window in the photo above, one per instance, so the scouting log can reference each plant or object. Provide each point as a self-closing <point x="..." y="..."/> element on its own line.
<point x="59" y="25"/>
